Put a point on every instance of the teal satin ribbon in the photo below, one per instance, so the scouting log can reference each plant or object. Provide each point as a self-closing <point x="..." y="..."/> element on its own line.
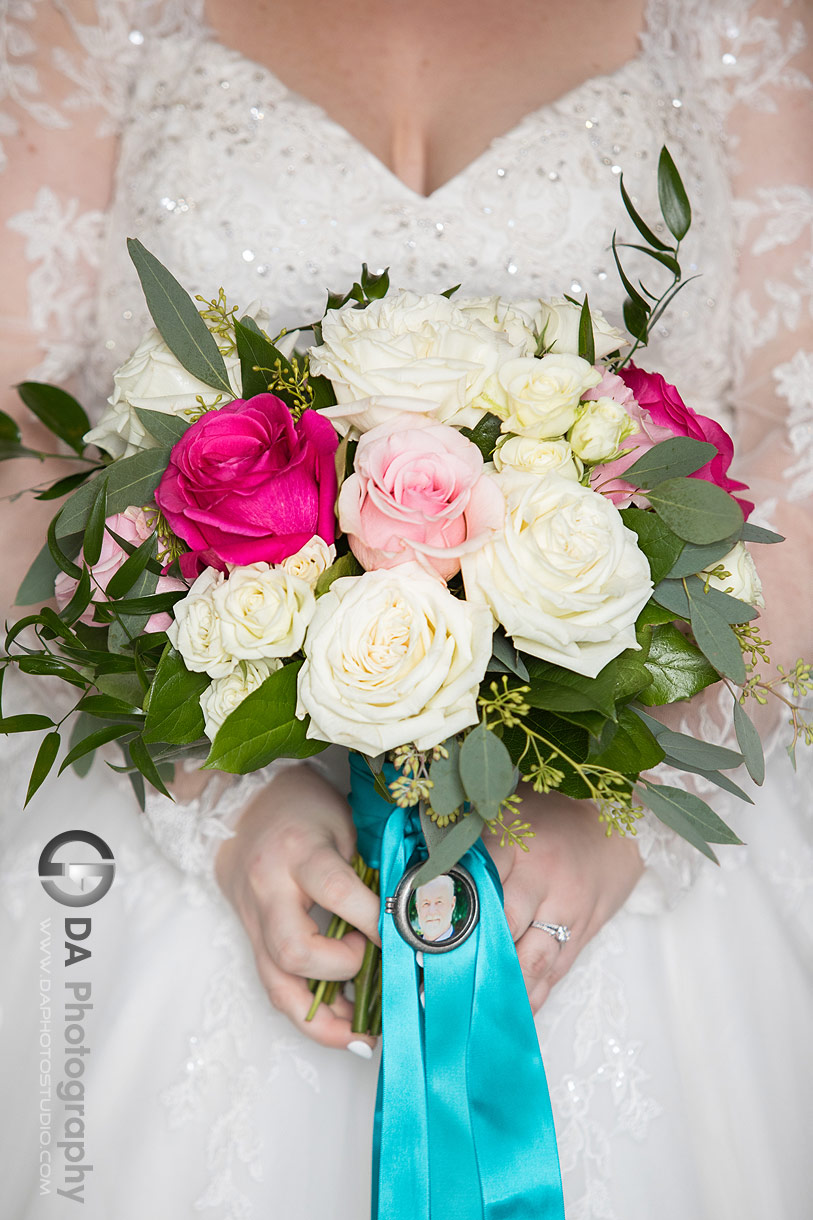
<point x="463" y="1127"/>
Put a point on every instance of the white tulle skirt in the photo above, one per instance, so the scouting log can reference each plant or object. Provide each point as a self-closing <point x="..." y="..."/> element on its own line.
<point x="678" y="1049"/>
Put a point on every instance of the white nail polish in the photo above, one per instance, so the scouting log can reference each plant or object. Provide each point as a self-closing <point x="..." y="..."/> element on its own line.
<point x="362" y="1049"/>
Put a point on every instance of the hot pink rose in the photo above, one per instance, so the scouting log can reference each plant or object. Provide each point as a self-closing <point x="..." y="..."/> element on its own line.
<point x="132" y="526"/>
<point x="245" y="484"/>
<point x="661" y="413"/>
<point x="418" y="493"/>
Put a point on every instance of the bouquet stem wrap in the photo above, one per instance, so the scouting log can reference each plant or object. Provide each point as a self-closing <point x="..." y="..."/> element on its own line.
<point x="463" y="1127"/>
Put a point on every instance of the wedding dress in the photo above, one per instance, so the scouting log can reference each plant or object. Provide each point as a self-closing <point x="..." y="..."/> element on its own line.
<point x="678" y="1048"/>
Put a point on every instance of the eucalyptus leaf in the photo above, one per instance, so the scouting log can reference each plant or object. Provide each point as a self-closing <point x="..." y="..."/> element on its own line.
<point x="694" y="559"/>
<point x="58" y="410"/>
<point x="716" y="777"/>
<point x="454" y="844"/>
<point x="504" y="651"/>
<point x="717" y="641"/>
<point x="178" y="321"/>
<point x="674" y="201"/>
<point x="705" y="821"/>
<point x="749" y="742"/>
<point x="755" y="533"/>
<point x="697" y="511"/>
<point x="689" y="751"/>
<point x="131" y="482"/>
<point x="670" y="459"/>
<point x="486" y="770"/>
<point x="448" y="793"/>
<point x="661" y="799"/>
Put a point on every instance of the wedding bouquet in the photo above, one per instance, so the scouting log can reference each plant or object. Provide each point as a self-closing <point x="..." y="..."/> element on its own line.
<point x="468" y="539"/>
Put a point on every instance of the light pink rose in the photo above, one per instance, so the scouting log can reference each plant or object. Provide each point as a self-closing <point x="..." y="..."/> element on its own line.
<point x="132" y="526"/>
<point x="610" y="386"/>
<point x="418" y="493"/>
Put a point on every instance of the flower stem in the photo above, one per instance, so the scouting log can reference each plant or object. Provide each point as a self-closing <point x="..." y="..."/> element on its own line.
<point x="364" y="981"/>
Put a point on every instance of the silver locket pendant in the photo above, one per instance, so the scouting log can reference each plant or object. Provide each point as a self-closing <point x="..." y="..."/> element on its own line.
<point x="438" y="916"/>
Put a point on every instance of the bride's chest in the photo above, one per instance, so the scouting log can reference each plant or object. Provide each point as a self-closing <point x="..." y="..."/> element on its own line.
<point x="233" y="180"/>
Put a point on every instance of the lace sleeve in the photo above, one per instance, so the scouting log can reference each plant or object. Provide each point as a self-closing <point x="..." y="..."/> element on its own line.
<point x="750" y="61"/>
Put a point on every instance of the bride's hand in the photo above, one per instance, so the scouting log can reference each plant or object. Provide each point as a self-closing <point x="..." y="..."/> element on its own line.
<point x="290" y="850"/>
<point x="572" y="874"/>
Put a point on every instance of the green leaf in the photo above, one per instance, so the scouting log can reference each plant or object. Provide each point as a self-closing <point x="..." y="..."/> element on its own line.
<point x="729" y="608"/>
<point x="173" y="705"/>
<point x="660" y="545"/>
<point x="109" y="708"/>
<point x="258" y="358"/>
<point x="59" y="557"/>
<point x="672" y="196"/>
<point x="635" y="297"/>
<point x="38" y="582"/>
<point x="448" y="793"/>
<point x="162" y="427"/>
<point x="670" y="803"/>
<point x="94" y="532"/>
<point x="684" y="750"/>
<point x="556" y="689"/>
<point x="131" y="482"/>
<point x="9" y="450"/>
<point x="718" y="778"/>
<point x="485" y="434"/>
<point x="717" y="641"/>
<point x="640" y="225"/>
<point x="678" y="668"/>
<point x="80" y="600"/>
<point x="652" y="615"/>
<point x="697" y="511"/>
<point x="9" y="432"/>
<point x="124" y="686"/>
<point x="454" y="844"/>
<point x="345" y="565"/>
<point x="633" y="747"/>
<point x="58" y="410"/>
<point x="181" y="326"/>
<point x="587" y="344"/>
<point x="142" y="759"/>
<point x="28" y="722"/>
<point x="631" y="675"/>
<point x="755" y="533"/>
<point x="636" y="320"/>
<point x="264" y="727"/>
<point x="46" y="757"/>
<point x="504" y="651"/>
<point x="121" y="582"/>
<point x="680" y="455"/>
<point x="694" y="559"/>
<point x="750" y="744"/>
<point x="46" y="666"/>
<point x="322" y="391"/>
<point x="144" y="605"/>
<point x="666" y="260"/>
<point x="486" y="770"/>
<point x="63" y="487"/>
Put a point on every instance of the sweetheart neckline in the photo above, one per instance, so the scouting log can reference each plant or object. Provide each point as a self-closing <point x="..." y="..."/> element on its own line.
<point x="213" y="40"/>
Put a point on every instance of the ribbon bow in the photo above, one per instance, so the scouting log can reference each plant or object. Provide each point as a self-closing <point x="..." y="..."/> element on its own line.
<point x="463" y="1126"/>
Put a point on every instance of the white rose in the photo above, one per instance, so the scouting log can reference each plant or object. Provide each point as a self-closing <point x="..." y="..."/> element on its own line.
<point x="263" y="612"/>
<point x="538" y="457"/>
<point x="367" y="413"/>
<point x="542" y="396"/>
<point x="557" y="324"/>
<point x="497" y="314"/>
<point x="392" y="657"/>
<point x="196" y="630"/>
<point x="410" y="346"/>
<point x="599" y="430"/>
<point x="155" y="380"/>
<point x="225" y="694"/>
<point x="566" y="580"/>
<point x="742" y="581"/>
<point x="308" y="564"/>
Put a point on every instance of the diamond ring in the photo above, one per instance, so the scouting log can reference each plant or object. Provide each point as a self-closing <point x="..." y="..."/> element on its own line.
<point x="558" y="931"/>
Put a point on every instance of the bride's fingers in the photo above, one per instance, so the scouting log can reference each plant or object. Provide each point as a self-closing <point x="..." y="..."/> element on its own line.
<point x="334" y="885"/>
<point x="544" y="964"/>
<point x="521" y="899"/>
<point x="295" y="944"/>
<point x="290" y="995"/>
